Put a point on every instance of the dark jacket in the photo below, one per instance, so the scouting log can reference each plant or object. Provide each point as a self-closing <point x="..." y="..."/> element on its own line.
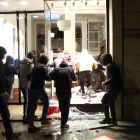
<point x="10" y="70"/>
<point x="2" y="89"/>
<point x="114" y="80"/>
<point x="63" y="75"/>
<point x="100" y="67"/>
<point x="38" y="76"/>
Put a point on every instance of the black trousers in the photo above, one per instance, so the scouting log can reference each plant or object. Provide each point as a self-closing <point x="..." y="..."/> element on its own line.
<point x="97" y="81"/>
<point x="8" y="88"/>
<point x="64" y="105"/>
<point x="108" y="101"/>
<point x="5" y="117"/>
<point x="85" y="76"/>
<point x="27" y="102"/>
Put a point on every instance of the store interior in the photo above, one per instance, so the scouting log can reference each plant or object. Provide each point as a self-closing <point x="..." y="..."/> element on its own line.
<point x="87" y="31"/>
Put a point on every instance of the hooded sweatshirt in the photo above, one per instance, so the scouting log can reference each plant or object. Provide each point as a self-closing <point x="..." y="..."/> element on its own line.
<point x="114" y="80"/>
<point x="85" y="61"/>
<point x="57" y="61"/>
<point x="9" y="71"/>
<point x="25" y="70"/>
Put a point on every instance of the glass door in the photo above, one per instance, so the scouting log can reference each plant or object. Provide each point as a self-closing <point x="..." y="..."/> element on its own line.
<point x="47" y="48"/>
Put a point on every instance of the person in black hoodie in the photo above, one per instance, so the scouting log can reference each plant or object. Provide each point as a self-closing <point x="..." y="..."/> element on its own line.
<point x="114" y="86"/>
<point x="38" y="77"/>
<point x="63" y="75"/>
<point x="10" y="71"/>
<point x="3" y="104"/>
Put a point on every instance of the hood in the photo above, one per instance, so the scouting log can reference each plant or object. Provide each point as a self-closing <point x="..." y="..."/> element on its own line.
<point x="26" y="60"/>
<point x="43" y="59"/>
<point x="61" y="55"/>
<point x="9" y="59"/>
<point x="84" y="52"/>
<point x="2" y="52"/>
<point x="63" y="65"/>
<point x="105" y="59"/>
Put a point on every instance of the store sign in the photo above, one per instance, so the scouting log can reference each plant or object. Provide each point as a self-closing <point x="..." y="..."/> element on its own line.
<point x="52" y="16"/>
<point x="132" y="33"/>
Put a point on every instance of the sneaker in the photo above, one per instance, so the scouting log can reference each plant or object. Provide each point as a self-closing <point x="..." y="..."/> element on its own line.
<point x="13" y="136"/>
<point x="113" y="121"/>
<point x="64" y="127"/>
<point x="105" y="121"/>
<point x="32" y="129"/>
<point x="48" y="121"/>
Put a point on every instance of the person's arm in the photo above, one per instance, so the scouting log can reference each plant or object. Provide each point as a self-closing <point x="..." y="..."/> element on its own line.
<point x="52" y="74"/>
<point x="15" y="71"/>
<point x="112" y="74"/>
<point x="45" y="74"/>
<point x="1" y="79"/>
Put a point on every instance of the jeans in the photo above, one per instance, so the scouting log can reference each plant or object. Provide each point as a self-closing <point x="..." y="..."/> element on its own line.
<point x="5" y="117"/>
<point x="85" y="76"/>
<point x="27" y="102"/>
<point x="97" y="81"/>
<point x="64" y="105"/>
<point x="108" y="101"/>
<point x="36" y="94"/>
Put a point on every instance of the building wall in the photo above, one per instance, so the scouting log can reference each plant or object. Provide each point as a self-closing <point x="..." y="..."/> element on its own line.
<point x="132" y="61"/>
<point x="125" y="15"/>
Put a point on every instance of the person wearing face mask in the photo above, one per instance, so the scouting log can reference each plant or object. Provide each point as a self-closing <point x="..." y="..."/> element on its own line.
<point x="24" y="83"/>
<point x="114" y="86"/>
<point x="3" y="104"/>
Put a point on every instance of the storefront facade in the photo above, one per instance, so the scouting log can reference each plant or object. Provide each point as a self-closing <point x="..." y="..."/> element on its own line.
<point x="24" y="31"/>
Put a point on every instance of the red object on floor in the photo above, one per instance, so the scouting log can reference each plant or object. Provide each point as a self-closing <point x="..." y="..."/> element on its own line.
<point x="53" y="109"/>
<point x="103" y="137"/>
<point x="3" y="133"/>
<point x="16" y="93"/>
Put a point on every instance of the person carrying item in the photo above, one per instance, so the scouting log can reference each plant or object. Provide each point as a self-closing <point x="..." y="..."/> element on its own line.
<point x="95" y="74"/>
<point x="38" y="77"/>
<point x="84" y="65"/>
<point x="24" y="83"/>
<point x="63" y="75"/>
<point x="3" y="104"/>
<point x="10" y="71"/>
<point x="114" y="86"/>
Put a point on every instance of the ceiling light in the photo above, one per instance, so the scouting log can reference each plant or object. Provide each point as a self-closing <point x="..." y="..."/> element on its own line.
<point x="23" y="3"/>
<point x="4" y="3"/>
<point x="85" y="4"/>
<point x="52" y="5"/>
<point x="98" y="3"/>
<point x="73" y="4"/>
<point x="35" y="16"/>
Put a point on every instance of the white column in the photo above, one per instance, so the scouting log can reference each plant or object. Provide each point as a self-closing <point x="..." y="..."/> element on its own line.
<point x="69" y="36"/>
<point x="84" y="34"/>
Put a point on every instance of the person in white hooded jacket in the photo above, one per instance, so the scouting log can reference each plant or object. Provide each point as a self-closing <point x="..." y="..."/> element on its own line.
<point x="84" y="64"/>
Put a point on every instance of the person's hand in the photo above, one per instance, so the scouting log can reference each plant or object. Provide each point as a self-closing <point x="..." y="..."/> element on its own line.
<point x="103" y="84"/>
<point x="5" y="95"/>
